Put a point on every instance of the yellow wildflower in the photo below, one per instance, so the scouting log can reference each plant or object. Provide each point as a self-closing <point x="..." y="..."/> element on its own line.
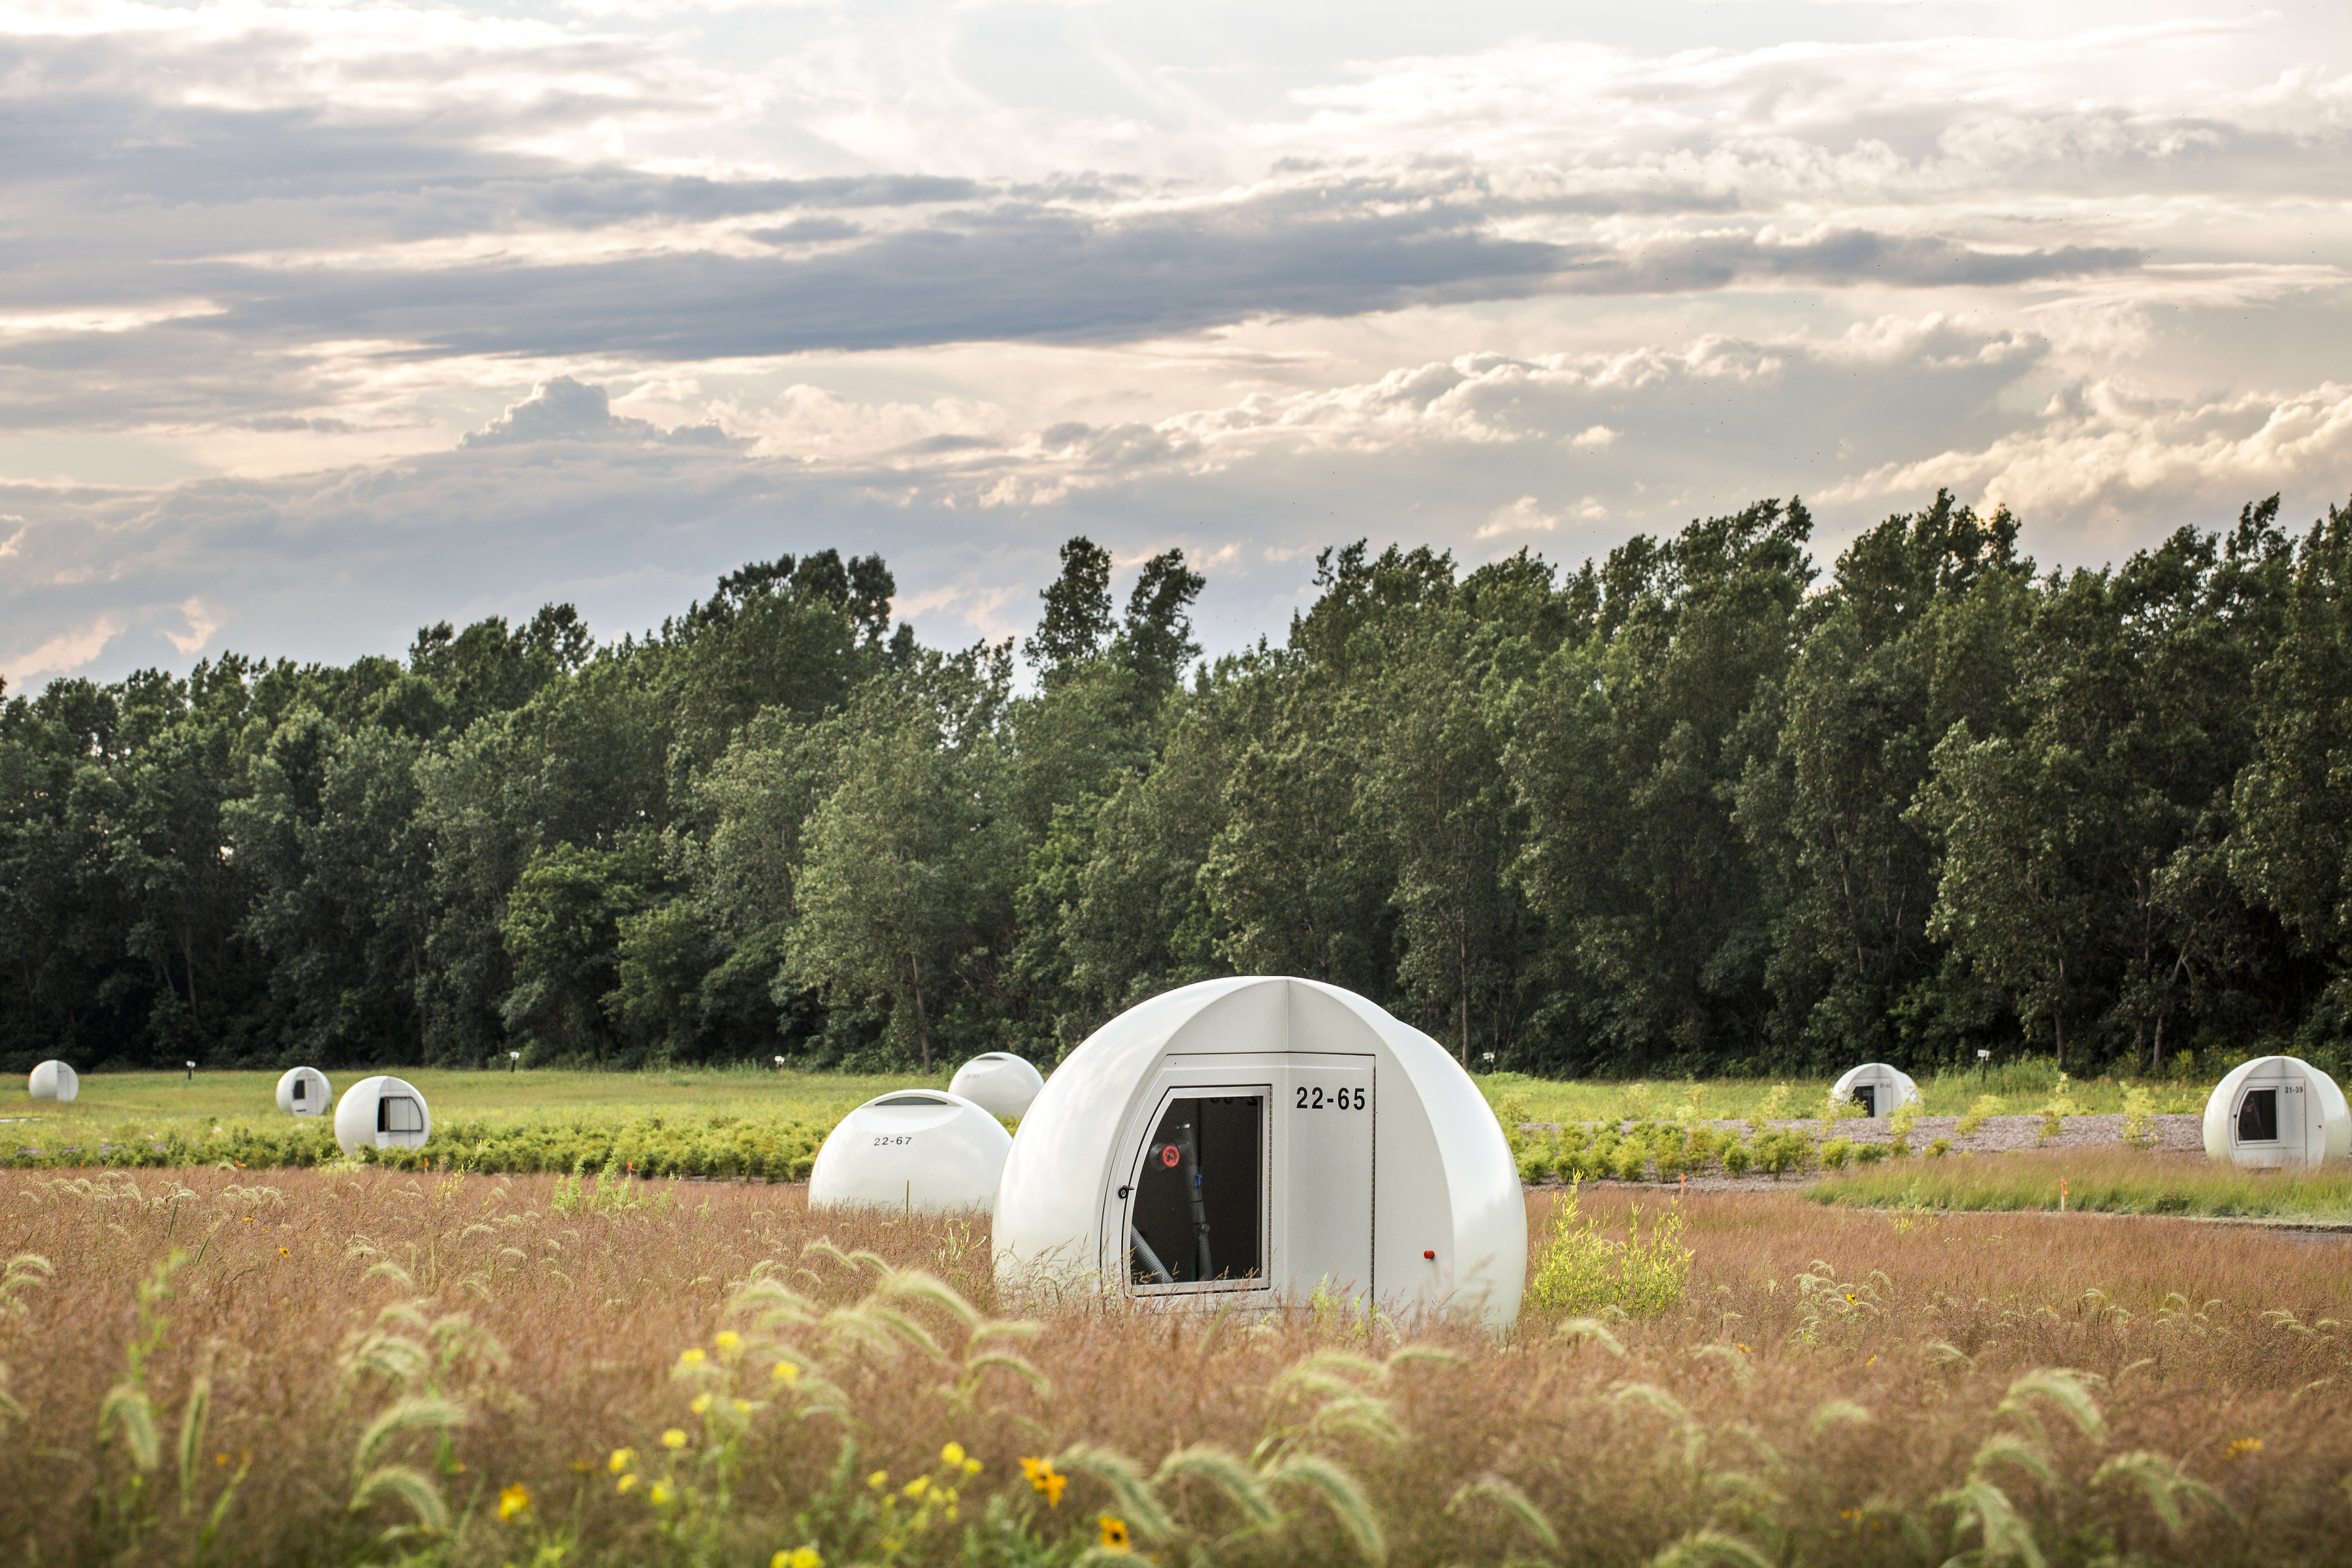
<point x="951" y="1456"/>
<point x="674" y="1438"/>
<point x="621" y="1460"/>
<point x="1114" y="1534"/>
<point x="742" y="1406"/>
<point x="2244" y="1448"/>
<point x="1043" y="1477"/>
<point x="728" y="1341"/>
<point x="692" y="1356"/>
<point x="787" y="1374"/>
<point x="972" y="1467"/>
<point x="626" y="1483"/>
<point x="513" y="1500"/>
<point x="878" y="1480"/>
<point x="701" y="1406"/>
<point x="917" y="1487"/>
<point x="662" y="1494"/>
<point x="798" y="1557"/>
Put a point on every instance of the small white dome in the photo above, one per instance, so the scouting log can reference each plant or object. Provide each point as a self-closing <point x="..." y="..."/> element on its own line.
<point x="54" y="1081"/>
<point x="998" y="1082"/>
<point x="381" y="1113"/>
<point x="1878" y="1086"/>
<point x="305" y="1092"/>
<point x="2275" y="1111"/>
<point x="915" y="1148"/>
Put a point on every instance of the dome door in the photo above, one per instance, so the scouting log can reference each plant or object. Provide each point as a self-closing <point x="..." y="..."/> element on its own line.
<point x="2273" y="1117"/>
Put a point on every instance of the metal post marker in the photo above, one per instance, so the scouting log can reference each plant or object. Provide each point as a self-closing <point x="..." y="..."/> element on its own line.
<point x="514" y="1063"/>
<point x="1984" y="1065"/>
<point x="192" y="1072"/>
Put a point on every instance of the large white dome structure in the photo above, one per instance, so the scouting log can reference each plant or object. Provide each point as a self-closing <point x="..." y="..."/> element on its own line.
<point x="911" y="1149"/>
<point x="381" y="1113"/>
<point x="2277" y="1111"/>
<point x="305" y="1092"/>
<point x="1876" y="1088"/>
<point x="1240" y="1138"/>
<point x="54" y="1081"/>
<point x="999" y="1083"/>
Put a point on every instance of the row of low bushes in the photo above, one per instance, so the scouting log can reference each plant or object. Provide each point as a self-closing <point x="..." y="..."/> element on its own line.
<point x="652" y="1148"/>
<point x="1665" y="1151"/>
<point x="2105" y="1181"/>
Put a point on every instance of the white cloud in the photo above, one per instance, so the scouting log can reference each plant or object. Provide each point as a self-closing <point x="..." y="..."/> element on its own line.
<point x="64" y="652"/>
<point x="202" y="624"/>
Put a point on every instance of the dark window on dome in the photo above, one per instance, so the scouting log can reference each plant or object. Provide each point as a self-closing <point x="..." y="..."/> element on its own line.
<point x="1867" y="1097"/>
<point x="2258" y="1117"/>
<point x="911" y="1100"/>
<point x="301" y="1088"/>
<point x="398" y="1113"/>
<point x="1201" y="1195"/>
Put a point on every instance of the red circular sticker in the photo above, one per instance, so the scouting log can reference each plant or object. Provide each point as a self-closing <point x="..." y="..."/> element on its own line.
<point x="1169" y="1156"/>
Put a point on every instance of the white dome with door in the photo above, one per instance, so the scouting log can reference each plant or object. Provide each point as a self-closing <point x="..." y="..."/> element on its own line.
<point x="1240" y="1138"/>
<point x="1876" y="1088"/>
<point x="2277" y="1111"/>
<point x="915" y="1149"/>
<point x="383" y="1112"/>
<point x="999" y="1083"/>
<point x="305" y="1092"/>
<point x="54" y="1081"/>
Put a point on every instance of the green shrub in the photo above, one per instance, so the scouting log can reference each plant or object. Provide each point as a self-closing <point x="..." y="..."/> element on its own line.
<point x="1582" y="1271"/>
<point x="1871" y="1153"/>
<point x="1737" y="1158"/>
<point x="1782" y="1150"/>
<point x="1631" y="1160"/>
<point x="1837" y="1154"/>
<point x="1940" y="1147"/>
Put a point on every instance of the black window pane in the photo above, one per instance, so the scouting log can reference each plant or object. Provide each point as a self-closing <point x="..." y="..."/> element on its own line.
<point x="2258" y="1117"/>
<point x="1199" y="1199"/>
<point x="1867" y="1097"/>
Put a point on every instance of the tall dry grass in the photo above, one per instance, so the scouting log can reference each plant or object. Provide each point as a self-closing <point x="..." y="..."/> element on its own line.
<point x="1831" y="1388"/>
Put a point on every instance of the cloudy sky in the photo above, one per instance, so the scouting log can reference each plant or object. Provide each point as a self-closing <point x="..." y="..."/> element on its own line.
<point x="321" y="320"/>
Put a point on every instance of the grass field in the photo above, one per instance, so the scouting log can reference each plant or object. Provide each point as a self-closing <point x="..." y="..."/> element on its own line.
<point x="125" y="1104"/>
<point x="2101" y="1181"/>
<point x="349" y="1366"/>
<point x="744" y="1121"/>
<point x="722" y="1123"/>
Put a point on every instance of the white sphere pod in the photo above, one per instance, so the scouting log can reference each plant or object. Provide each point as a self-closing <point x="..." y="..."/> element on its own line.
<point x="1266" y="1135"/>
<point x="304" y="1091"/>
<point x="999" y="1083"/>
<point x="912" y="1149"/>
<point x="381" y="1113"/>
<point x="54" y="1081"/>
<point x="1879" y="1087"/>
<point x="2277" y="1111"/>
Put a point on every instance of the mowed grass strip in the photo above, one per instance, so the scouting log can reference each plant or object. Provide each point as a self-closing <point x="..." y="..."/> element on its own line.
<point x="1825" y="1389"/>
<point x="2102" y="1181"/>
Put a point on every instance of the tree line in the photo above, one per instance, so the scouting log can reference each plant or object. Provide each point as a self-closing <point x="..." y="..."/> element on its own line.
<point x="1698" y="807"/>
